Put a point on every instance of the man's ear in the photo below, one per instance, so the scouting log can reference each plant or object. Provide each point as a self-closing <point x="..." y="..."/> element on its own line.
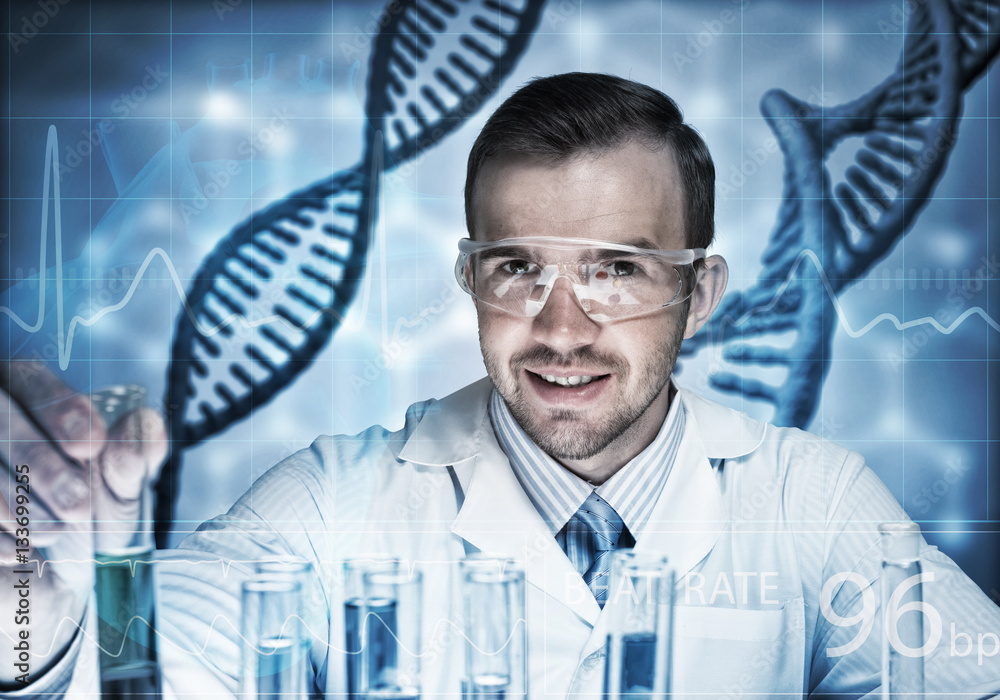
<point x="707" y="293"/>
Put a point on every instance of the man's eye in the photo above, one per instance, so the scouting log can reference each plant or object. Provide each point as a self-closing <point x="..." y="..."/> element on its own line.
<point x="622" y="268"/>
<point x="517" y="267"/>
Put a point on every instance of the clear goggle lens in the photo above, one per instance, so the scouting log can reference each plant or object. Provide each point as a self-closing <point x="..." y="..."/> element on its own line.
<point x="611" y="281"/>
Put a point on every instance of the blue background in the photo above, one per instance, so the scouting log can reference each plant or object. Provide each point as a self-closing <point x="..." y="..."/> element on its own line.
<point x="143" y="136"/>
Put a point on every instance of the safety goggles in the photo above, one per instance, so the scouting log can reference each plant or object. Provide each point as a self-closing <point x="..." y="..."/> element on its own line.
<point x="611" y="281"/>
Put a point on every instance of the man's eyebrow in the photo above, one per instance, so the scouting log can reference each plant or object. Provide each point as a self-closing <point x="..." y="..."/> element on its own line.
<point x="642" y="243"/>
<point x="506" y="251"/>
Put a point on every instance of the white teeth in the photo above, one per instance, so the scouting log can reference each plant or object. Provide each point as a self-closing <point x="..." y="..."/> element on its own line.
<point x="567" y="381"/>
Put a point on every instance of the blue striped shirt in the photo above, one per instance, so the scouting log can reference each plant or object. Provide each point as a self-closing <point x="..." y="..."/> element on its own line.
<point x="558" y="493"/>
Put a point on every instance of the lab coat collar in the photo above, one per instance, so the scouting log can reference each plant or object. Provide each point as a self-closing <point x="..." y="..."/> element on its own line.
<point x="725" y="433"/>
<point x="448" y="431"/>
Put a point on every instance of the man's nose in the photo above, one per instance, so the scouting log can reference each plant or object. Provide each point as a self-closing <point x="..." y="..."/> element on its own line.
<point x="562" y="324"/>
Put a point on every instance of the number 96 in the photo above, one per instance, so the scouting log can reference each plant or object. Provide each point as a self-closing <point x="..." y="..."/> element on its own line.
<point x="893" y="612"/>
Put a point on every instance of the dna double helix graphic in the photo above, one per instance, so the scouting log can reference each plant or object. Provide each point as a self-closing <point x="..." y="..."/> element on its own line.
<point x="276" y="288"/>
<point x="909" y="125"/>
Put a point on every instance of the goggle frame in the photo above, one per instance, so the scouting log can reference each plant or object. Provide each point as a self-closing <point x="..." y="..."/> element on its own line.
<point x="468" y="247"/>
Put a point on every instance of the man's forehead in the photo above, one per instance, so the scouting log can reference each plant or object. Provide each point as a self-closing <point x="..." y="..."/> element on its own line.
<point x="629" y="191"/>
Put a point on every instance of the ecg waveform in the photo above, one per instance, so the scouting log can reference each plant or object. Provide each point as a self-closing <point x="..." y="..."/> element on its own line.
<point x="811" y="256"/>
<point x="219" y="619"/>
<point x="65" y="334"/>
<point x="318" y="639"/>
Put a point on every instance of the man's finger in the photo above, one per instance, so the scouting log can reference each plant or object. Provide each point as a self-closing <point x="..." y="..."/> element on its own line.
<point x="133" y="454"/>
<point x="57" y="489"/>
<point x="56" y="411"/>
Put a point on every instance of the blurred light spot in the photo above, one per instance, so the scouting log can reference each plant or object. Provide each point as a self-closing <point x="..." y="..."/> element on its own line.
<point x="344" y="105"/>
<point x="282" y="143"/>
<point x="892" y="424"/>
<point x="953" y="540"/>
<point x="832" y="40"/>
<point x="949" y="247"/>
<point x="706" y="102"/>
<point x="222" y="106"/>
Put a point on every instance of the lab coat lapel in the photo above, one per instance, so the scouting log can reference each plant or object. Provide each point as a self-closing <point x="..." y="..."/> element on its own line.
<point x="498" y="517"/>
<point x="689" y="515"/>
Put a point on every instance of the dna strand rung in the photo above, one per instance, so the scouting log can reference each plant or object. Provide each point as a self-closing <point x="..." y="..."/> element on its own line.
<point x="829" y="232"/>
<point x="441" y="61"/>
<point x="976" y="23"/>
<point x="260" y="274"/>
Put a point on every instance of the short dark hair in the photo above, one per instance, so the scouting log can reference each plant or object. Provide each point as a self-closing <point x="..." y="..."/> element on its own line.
<point x="564" y="115"/>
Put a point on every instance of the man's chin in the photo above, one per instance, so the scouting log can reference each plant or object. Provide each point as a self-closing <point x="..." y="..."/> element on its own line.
<point x="565" y="435"/>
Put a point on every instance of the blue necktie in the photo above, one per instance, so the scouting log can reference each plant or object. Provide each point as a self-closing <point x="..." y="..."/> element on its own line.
<point x="594" y="531"/>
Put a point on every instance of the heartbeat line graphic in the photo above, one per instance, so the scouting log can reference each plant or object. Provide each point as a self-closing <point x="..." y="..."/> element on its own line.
<point x="440" y="630"/>
<point x="444" y="628"/>
<point x="811" y="256"/>
<point x="65" y="334"/>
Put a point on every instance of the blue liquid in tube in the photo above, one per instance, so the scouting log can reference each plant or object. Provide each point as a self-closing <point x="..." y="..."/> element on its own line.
<point x="487" y="687"/>
<point x="381" y="643"/>
<point x="280" y="670"/>
<point x="125" y="625"/>
<point x="638" y="664"/>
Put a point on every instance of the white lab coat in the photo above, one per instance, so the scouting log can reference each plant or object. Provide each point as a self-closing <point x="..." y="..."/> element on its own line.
<point x="755" y="520"/>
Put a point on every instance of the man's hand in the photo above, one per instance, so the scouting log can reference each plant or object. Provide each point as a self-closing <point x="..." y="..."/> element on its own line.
<point x="69" y="481"/>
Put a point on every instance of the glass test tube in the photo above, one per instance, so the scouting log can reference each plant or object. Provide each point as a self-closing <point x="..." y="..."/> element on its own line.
<point x="123" y="552"/>
<point x="640" y="603"/>
<point x="273" y="663"/>
<point x="902" y="673"/>
<point x="304" y="573"/>
<point x="392" y="631"/>
<point x="354" y="618"/>
<point x="493" y="597"/>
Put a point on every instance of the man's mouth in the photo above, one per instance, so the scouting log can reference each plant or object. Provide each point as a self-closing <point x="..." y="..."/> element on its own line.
<point x="575" y="380"/>
<point x="564" y="382"/>
<point x="577" y="390"/>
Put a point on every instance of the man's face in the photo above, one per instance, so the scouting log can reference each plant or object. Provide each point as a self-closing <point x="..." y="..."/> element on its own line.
<point x="632" y="196"/>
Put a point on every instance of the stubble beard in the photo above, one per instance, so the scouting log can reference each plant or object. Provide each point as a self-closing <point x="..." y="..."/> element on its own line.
<point x="566" y="434"/>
